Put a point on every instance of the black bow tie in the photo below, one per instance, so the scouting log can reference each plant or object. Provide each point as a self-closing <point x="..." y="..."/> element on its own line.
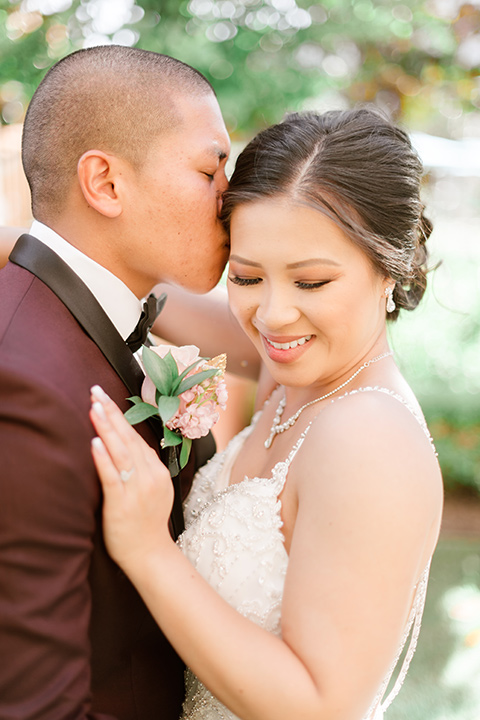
<point x="152" y="307"/>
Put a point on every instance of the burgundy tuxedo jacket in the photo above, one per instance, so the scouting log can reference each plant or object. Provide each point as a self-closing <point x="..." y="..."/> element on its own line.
<point x="76" y="640"/>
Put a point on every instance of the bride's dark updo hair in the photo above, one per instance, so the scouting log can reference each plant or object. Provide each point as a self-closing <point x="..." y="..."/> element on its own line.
<point x="357" y="168"/>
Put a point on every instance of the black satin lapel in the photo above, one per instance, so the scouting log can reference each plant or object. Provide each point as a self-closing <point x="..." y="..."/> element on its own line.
<point x="45" y="264"/>
<point x="40" y="260"/>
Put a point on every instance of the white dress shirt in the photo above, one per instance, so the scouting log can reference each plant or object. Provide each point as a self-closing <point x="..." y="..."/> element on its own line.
<point x="120" y="304"/>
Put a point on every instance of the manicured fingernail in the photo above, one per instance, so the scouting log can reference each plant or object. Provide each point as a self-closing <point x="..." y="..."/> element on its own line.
<point x="98" y="410"/>
<point x="98" y="445"/>
<point x="99" y="393"/>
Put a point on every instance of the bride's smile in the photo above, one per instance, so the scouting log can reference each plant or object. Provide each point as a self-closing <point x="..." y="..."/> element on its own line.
<point x="285" y="350"/>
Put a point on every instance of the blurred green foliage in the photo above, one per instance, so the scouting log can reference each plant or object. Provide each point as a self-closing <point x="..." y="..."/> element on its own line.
<point x="418" y="58"/>
<point x="438" y="348"/>
<point x="457" y="439"/>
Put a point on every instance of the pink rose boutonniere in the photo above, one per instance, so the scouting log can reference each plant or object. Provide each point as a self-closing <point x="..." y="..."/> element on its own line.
<point x="185" y="390"/>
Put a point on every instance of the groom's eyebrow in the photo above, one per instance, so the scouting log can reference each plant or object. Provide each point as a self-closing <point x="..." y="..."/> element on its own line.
<point x="220" y="154"/>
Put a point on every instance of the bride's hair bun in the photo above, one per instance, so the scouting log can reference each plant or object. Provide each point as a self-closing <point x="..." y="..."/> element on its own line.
<point x="409" y="290"/>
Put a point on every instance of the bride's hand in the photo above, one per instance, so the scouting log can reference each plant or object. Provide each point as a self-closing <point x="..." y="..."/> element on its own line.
<point x="137" y="487"/>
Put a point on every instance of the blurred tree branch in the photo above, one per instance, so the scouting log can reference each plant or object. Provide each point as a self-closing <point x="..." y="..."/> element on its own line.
<point x="419" y="59"/>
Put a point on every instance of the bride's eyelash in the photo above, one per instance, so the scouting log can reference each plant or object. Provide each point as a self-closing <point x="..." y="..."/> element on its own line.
<point x="243" y="281"/>
<point x="311" y="286"/>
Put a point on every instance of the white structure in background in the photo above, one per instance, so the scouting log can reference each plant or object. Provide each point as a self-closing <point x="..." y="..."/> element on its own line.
<point x="455" y="157"/>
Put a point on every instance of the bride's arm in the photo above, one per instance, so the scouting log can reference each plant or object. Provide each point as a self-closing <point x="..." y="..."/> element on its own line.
<point x="206" y="321"/>
<point x="8" y="238"/>
<point x="366" y="524"/>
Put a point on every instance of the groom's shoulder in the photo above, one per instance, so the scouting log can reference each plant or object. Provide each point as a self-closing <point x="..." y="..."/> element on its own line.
<point x="38" y="334"/>
<point x="29" y="307"/>
<point x="14" y="283"/>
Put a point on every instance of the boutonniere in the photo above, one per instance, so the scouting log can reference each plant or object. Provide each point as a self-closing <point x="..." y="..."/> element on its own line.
<point x="184" y="390"/>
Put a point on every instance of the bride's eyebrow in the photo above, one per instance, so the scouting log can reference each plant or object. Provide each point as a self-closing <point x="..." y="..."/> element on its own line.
<point x="312" y="261"/>
<point x="291" y="266"/>
<point x="243" y="261"/>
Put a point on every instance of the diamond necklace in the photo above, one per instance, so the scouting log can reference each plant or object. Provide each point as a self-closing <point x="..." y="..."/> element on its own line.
<point x="278" y="428"/>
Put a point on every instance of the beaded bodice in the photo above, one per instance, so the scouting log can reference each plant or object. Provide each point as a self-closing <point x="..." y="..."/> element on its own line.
<point x="233" y="538"/>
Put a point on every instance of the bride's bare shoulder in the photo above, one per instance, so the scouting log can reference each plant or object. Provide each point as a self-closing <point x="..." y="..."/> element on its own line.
<point x="372" y="445"/>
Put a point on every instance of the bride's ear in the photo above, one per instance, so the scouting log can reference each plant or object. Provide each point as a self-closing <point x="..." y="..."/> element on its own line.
<point x="97" y="174"/>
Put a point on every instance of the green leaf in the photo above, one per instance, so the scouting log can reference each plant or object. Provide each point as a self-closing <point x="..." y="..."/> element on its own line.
<point x="158" y="371"/>
<point x="170" y="438"/>
<point x="168" y="406"/>
<point x="189" y="382"/>
<point x="185" y="451"/>
<point x="135" y="399"/>
<point x="140" y="412"/>
<point x="184" y="374"/>
<point x="172" y="365"/>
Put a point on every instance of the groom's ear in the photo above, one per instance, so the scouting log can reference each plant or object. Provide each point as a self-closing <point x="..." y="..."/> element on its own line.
<point x="97" y="173"/>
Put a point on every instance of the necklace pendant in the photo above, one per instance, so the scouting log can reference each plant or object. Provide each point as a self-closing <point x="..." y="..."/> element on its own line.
<point x="268" y="441"/>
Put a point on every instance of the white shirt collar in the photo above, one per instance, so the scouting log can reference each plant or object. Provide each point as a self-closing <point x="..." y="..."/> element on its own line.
<point x="120" y="304"/>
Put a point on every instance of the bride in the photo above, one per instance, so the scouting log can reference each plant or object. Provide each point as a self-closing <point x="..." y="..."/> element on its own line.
<point x="302" y="571"/>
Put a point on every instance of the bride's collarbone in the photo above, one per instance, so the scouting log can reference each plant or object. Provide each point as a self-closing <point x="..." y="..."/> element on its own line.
<point x="255" y="460"/>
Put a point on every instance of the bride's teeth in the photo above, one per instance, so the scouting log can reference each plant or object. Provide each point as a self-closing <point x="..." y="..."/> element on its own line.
<point x="290" y="345"/>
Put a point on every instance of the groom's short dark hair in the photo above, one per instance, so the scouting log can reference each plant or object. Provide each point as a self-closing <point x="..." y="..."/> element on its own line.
<point x="111" y="98"/>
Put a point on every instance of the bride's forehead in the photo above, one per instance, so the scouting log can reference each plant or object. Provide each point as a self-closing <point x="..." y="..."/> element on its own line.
<point x="295" y="232"/>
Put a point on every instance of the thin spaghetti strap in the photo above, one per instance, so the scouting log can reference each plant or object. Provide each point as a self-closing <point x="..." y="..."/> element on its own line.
<point x="386" y="391"/>
<point x="418" y="608"/>
<point x="298" y="444"/>
<point x="412" y="628"/>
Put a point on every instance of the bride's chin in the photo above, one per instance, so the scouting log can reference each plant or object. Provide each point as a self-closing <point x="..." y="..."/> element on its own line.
<point x="288" y="377"/>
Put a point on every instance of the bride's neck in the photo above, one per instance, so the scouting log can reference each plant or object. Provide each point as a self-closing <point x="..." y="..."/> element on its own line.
<point x="369" y="372"/>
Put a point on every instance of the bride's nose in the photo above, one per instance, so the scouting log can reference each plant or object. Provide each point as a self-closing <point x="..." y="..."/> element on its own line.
<point x="275" y="310"/>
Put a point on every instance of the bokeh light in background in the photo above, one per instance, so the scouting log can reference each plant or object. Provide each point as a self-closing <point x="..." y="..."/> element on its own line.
<point x="418" y="59"/>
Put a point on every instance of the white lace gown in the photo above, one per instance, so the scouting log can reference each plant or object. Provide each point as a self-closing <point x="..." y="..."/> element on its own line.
<point x="233" y="538"/>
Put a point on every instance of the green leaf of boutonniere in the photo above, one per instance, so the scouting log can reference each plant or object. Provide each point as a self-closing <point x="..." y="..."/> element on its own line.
<point x="185" y="452"/>
<point x="135" y="399"/>
<point x="180" y="377"/>
<point x="196" y="379"/>
<point x="140" y="412"/>
<point x="168" y="406"/>
<point x="158" y="370"/>
<point x="170" y="438"/>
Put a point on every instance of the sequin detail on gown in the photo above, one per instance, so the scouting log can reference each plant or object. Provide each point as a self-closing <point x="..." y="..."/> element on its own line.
<point x="233" y="538"/>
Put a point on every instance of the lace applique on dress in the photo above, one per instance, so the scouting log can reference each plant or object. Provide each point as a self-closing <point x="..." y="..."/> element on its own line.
<point x="233" y="538"/>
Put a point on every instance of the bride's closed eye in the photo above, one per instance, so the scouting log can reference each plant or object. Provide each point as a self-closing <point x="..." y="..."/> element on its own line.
<point x="244" y="281"/>
<point x="311" y="285"/>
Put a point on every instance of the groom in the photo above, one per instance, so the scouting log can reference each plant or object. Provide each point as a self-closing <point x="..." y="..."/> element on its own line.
<point x="124" y="151"/>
